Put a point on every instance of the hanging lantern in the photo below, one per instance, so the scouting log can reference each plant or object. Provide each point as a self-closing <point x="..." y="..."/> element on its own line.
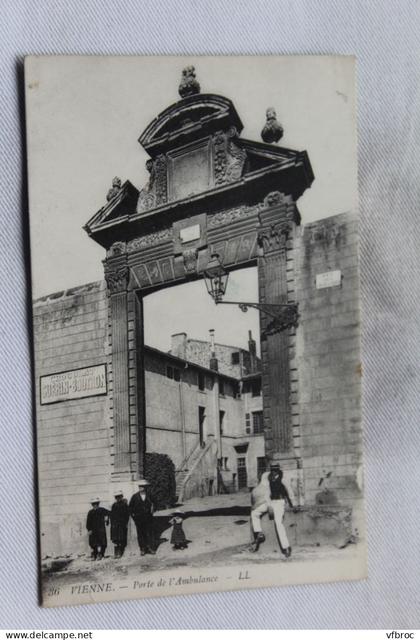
<point x="216" y="277"/>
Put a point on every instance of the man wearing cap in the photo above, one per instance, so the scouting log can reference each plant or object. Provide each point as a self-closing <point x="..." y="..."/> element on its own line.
<point x="276" y="498"/>
<point x="141" y="509"/>
<point x="97" y="519"/>
<point x="120" y="515"/>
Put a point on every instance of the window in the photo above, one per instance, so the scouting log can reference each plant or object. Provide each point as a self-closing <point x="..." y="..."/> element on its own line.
<point x="248" y="423"/>
<point x="235" y="357"/>
<point x="242" y="473"/>
<point x="257" y="422"/>
<point x="201" y="381"/>
<point x="261" y="467"/>
<point x="173" y="373"/>
<point x="222" y="387"/>
<point x="256" y="388"/>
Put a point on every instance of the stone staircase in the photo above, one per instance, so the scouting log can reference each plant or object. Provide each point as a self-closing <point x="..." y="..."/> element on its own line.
<point x="185" y="471"/>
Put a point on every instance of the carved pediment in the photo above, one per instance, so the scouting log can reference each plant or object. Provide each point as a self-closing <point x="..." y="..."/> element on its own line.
<point x="197" y="163"/>
<point x="121" y="201"/>
<point x="189" y="119"/>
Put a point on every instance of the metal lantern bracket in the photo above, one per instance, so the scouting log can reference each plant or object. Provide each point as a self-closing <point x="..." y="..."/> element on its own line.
<point x="283" y="316"/>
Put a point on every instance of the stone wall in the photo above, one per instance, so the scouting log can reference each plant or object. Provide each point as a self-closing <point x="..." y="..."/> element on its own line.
<point x="70" y="329"/>
<point x="326" y="356"/>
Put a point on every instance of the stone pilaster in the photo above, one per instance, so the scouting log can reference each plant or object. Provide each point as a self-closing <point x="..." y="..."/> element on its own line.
<point x="136" y="379"/>
<point x="277" y="219"/>
<point x="117" y="276"/>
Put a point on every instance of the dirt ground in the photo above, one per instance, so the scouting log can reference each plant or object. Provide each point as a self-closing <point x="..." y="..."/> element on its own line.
<point x="219" y="534"/>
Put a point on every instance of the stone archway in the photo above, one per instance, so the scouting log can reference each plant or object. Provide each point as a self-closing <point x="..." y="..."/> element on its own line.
<point x="209" y="191"/>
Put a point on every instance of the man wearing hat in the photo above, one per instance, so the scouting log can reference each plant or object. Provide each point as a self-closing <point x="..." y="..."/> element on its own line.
<point x="97" y="519"/>
<point x="120" y="515"/>
<point x="141" y="509"/>
<point x="276" y="498"/>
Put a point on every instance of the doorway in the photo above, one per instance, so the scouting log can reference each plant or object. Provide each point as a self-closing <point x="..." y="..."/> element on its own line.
<point x="242" y="474"/>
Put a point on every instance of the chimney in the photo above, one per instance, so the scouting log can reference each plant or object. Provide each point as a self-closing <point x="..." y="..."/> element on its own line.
<point x="213" y="360"/>
<point x="179" y="345"/>
<point x="252" y="348"/>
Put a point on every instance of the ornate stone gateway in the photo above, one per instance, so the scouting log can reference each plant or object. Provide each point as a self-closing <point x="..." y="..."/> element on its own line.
<point x="210" y="191"/>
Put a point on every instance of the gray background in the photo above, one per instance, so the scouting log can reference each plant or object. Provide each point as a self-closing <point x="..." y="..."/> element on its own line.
<point x="384" y="36"/>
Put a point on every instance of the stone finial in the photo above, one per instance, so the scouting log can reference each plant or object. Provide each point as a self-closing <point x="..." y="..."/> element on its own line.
<point x="116" y="188"/>
<point x="272" y="131"/>
<point x="189" y="85"/>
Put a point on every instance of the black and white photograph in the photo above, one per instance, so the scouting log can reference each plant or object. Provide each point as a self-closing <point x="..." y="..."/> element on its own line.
<point x="196" y="321"/>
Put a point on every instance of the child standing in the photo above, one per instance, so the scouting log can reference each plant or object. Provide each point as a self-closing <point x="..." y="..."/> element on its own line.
<point x="178" y="539"/>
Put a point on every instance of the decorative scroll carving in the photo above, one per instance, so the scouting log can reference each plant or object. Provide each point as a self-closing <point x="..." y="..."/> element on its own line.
<point x="117" y="249"/>
<point x="147" y="194"/>
<point x="150" y="239"/>
<point x="190" y="260"/>
<point x="272" y="131"/>
<point x="273" y="198"/>
<point x="236" y="157"/>
<point x="146" y="200"/>
<point x="274" y="237"/>
<point x="117" y="280"/>
<point x="161" y="180"/>
<point x="229" y="157"/>
<point x="224" y="217"/>
<point x="220" y="159"/>
<point x="189" y="85"/>
<point x="115" y="189"/>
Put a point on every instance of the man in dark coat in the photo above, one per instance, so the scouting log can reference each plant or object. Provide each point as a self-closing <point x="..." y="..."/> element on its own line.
<point x="141" y="510"/>
<point x="97" y="519"/>
<point x="120" y="515"/>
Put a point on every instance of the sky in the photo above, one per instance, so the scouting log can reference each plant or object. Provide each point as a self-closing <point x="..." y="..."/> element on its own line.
<point x="84" y="117"/>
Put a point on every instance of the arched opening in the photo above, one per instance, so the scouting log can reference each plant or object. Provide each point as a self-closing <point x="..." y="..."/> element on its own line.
<point x="203" y="398"/>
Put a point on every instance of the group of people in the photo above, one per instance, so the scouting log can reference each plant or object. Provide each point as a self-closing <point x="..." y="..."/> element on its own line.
<point x="271" y="495"/>
<point x="140" y="509"/>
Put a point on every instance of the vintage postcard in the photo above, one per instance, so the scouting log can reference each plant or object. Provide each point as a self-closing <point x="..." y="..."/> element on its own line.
<point x="196" y="313"/>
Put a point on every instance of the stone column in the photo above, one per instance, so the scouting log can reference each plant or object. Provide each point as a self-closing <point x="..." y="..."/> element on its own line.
<point x="136" y="381"/>
<point x="116" y="275"/>
<point x="277" y="219"/>
<point x="126" y="351"/>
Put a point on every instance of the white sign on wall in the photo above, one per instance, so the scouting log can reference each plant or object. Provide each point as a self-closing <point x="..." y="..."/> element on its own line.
<point x="78" y="383"/>
<point x="188" y="234"/>
<point x="328" y="279"/>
